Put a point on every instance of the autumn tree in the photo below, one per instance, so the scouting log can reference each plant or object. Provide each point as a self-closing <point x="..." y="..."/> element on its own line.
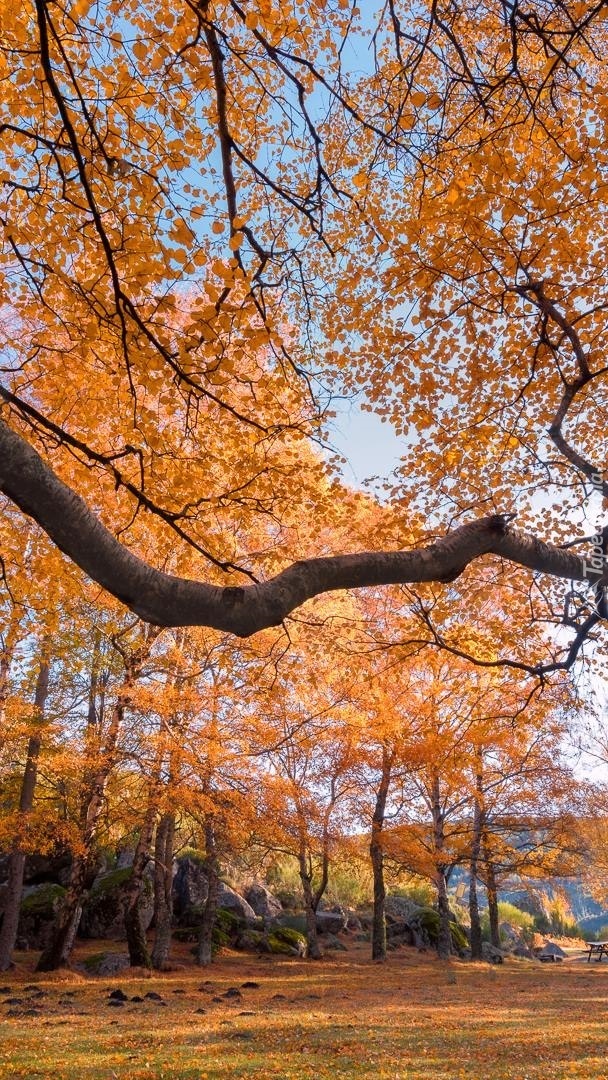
<point x="387" y="756"/>
<point x="39" y="601"/>
<point x="91" y="768"/>
<point x="430" y="216"/>
<point x="307" y="734"/>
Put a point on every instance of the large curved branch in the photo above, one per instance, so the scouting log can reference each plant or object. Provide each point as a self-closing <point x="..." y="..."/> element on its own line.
<point x="166" y="600"/>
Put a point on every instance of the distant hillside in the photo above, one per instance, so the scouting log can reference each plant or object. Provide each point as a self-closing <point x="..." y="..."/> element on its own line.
<point x="535" y="895"/>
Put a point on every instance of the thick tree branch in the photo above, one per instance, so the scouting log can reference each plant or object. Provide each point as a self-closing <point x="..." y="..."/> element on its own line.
<point x="166" y="600"/>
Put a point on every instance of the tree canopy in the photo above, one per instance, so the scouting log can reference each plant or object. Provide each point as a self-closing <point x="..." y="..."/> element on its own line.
<point x="217" y="216"/>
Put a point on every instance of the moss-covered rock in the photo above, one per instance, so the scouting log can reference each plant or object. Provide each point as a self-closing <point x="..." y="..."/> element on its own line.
<point x="112" y="880"/>
<point x="37" y="914"/>
<point x="285" y="941"/>
<point x="106" y="963"/>
<point x="195" y="855"/>
<point x="252" y="941"/>
<point x="227" y="930"/>
<point x="426" y="921"/>
<point x="43" y="900"/>
<point x="103" y="913"/>
<point x="460" y="940"/>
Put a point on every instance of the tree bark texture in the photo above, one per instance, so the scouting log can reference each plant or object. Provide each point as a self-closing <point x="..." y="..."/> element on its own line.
<point x="478" y="821"/>
<point x="377" y="859"/>
<point x="444" y="938"/>
<point x="315" y="951"/>
<point x="139" y="954"/>
<point x="205" y="937"/>
<point x="163" y="894"/>
<point x="492" y="892"/>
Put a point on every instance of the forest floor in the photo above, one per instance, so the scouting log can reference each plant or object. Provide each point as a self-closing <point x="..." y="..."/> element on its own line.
<point x="413" y="1018"/>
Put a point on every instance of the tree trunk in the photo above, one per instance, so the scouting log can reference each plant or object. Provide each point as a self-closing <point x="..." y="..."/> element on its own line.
<point x="163" y="894"/>
<point x="204" y="954"/>
<point x="57" y="954"/>
<point x="478" y="816"/>
<point x="492" y="891"/>
<point x="139" y="955"/>
<point x="444" y="937"/>
<point x="310" y="906"/>
<point x="377" y="859"/>
<point x="10" y="922"/>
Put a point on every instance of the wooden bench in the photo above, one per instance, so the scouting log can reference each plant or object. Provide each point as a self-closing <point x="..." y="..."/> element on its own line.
<point x="597" y="948"/>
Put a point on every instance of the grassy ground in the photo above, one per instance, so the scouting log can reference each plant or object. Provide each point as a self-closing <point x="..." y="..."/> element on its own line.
<point x="411" y="1019"/>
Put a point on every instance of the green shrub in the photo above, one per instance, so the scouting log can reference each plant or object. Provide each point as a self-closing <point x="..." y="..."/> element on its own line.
<point x="420" y="892"/>
<point x="598" y="935"/>
<point x="114" y="879"/>
<point x="350" y="885"/>
<point x="283" y="878"/>
<point x="509" y="913"/>
<point x="194" y="854"/>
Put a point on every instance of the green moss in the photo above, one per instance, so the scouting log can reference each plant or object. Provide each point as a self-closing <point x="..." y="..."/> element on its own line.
<point x="288" y="934"/>
<point x="228" y="920"/>
<point x="429" y="921"/>
<point x="285" y="941"/>
<point x="459" y="938"/>
<point x="115" y="879"/>
<point x="250" y="939"/>
<point x="91" y="963"/>
<point x="44" y="900"/>
<point x="219" y="938"/>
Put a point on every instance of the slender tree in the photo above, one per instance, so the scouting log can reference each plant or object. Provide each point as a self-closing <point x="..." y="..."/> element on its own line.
<point x="16" y="863"/>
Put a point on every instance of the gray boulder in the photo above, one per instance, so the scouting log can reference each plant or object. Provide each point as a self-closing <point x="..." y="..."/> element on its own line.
<point x="41" y="869"/>
<point x="263" y="902"/>
<point x="331" y="922"/>
<point x="492" y="954"/>
<point x="523" y="952"/>
<point x="550" y="952"/>
<point x="231" y="901"/>
<point x="510" y="936"/>
<point x="353" y="922"/>
<point x="109" y="963"/>
<point x="190" y="885"/>
<point x="401" y="933"/>
<point x="400" y="908"/>
<point x="331" y="942"/>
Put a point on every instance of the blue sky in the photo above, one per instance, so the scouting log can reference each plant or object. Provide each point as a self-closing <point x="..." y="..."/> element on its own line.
<point x="371" y="447"/>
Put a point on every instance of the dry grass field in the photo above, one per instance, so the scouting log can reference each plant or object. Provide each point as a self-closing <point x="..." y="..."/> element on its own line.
<point x="411" y="1019"/>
